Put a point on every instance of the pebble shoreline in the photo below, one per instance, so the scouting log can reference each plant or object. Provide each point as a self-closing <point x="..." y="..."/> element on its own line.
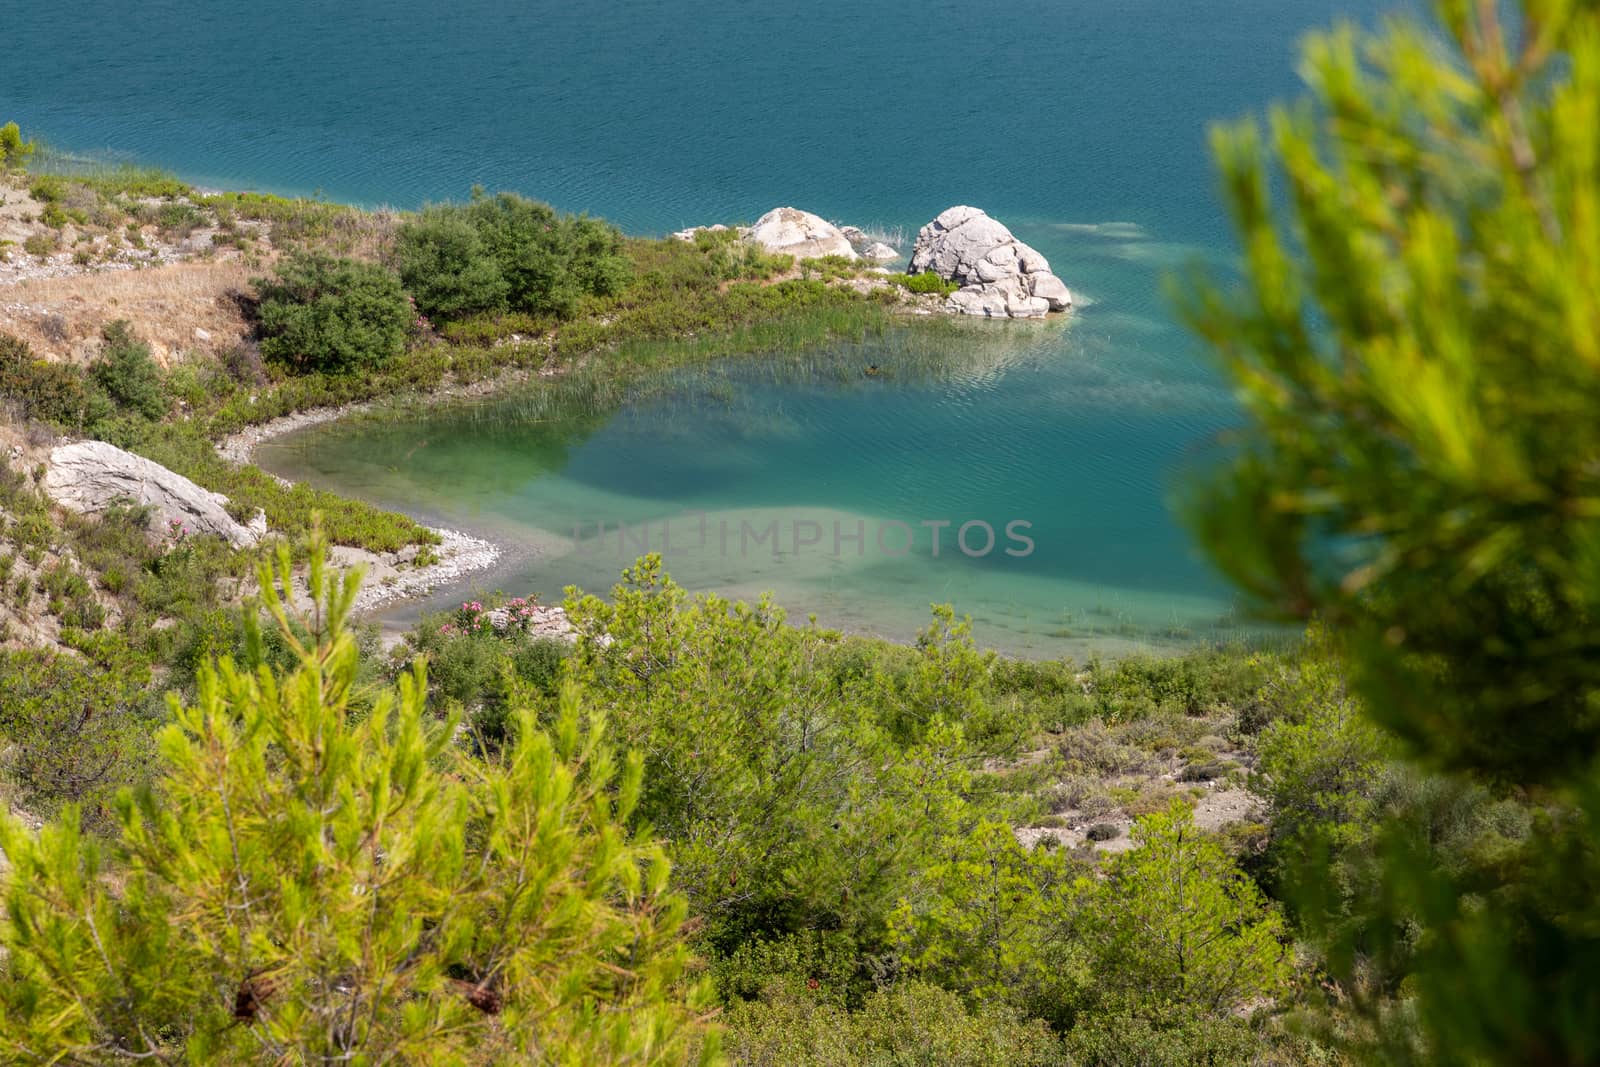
<point x="460" y="554"/>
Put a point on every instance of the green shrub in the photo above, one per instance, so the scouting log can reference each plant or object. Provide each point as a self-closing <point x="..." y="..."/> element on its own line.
<point x="988" y="918"/>
<point x="1175" y="922"/>
<point x="926" y="282"/>
<point x="14" y="151"/>
<point x="48" y="188"/>
<point x="911" y="1025"/>
<point x="40" y="244"/>
<point x="49" y="392"/>
<point x="447" y="266"/>
<point x="76" y="730"/>
<point x="1180" y="1040"/>
<point x="335" y="315"/>
<point x="787" y="806"/>
<point x="1195" y="683"/>
<point x="178" y="218"/>
<point x="507" y="253"/>
<point x="301" y="857"/>
<point x="127" y="374"/>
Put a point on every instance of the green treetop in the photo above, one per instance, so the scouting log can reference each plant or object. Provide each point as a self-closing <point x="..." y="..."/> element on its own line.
<point x="1416" y="345"/>
<point x="303" y="884"/>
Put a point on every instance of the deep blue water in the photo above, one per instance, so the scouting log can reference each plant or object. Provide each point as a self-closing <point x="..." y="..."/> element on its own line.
<point x="1082" y="125"/>
<point x="659" y="115"/>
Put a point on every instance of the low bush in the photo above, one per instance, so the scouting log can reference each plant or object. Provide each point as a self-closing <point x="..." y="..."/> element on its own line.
<point x="334" y="315"/>
<point x="926" y="282"/>
<point x="1183" y="1039"/>
<point x="41" y="244"/>
<point x="14" y="151"/>
<point x="507" y="253"/>
<point x="127" y="374"/>
<point x="76" y="729"/>
<point x="912" y="1024"/>
<point x="49" y="392"/>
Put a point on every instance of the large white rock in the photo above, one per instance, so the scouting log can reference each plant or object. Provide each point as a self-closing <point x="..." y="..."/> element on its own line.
<point x="1007" y="298"/>
<point x="800" y="234"/>
<point x="998" y="274"/>
<point x="91" y="476"/>
<point x="1050" y="288"/>
<point x="879" y="251"/>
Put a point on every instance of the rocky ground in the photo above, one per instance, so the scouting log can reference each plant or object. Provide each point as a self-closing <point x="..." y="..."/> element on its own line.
<point x="1097" y="779"/>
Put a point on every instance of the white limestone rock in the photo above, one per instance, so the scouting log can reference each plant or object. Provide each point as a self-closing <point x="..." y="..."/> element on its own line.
<point x="91" y="476"/>
<point x="998" y="274"/>
<point x="792" y="232"/>
<point x="879" y="251"/>
<point x="1006" y="298"/>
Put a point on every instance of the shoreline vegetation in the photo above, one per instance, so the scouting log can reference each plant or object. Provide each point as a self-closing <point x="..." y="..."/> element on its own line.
<point x="500" y="290"/>
<point x="234" y="828"/>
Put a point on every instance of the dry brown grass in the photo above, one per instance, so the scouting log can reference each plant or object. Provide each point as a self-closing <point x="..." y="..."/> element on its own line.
<point x="178" y="308"/>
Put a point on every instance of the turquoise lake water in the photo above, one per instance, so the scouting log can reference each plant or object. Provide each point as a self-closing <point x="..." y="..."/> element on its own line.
<point x="1081" y="125"/>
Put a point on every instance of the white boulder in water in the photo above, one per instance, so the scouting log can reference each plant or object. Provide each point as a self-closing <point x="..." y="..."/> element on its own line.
<point x="800" y="234"/>
<point x="999" y="275"/>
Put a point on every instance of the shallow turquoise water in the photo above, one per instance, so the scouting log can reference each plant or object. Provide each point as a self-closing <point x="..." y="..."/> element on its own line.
<point x="827" y="485"/>
<point x="1079" y="124"/>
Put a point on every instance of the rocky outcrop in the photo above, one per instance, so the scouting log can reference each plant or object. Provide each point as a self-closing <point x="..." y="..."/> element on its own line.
<point x="91" y="476"/>
<point x="692" y="231"/>
<point x="879" y="251"/>
<point x="800" y="234"/>
<point x="998" y="274"/>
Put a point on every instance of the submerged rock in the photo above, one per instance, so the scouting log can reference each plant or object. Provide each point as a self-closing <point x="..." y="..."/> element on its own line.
<point x="800" y="234"/>
<point x="91" y="477"/>
<point x="998" y="274"/>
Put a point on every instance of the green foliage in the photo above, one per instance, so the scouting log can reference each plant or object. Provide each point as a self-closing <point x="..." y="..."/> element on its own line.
<point x="182" y="447"/>
<point x="992" y="919"/>
<point x="944" y="683"/>
<point x="730" y="258"/>
<point x="786" y="804"/>
<point x="926" y="282"/>
<point x="912" y="1024"/>
<point x="1141" y="686"/>
<point x="447" y="266"/>
<point x="131" y="181"/>
<point x="1437" y="421"/>
<point x="1178" y="1039"/>
<point x="333" y="315"/>
<point x="127" y="374"/>
<point x="41" y="244"/>
<point x="349" y="887"/>
<point x="1415" y="342"/>
<point x="49" y="392"/>
<point x="76" y="729"/>
<point x="1320" y="763"/>
<point x="507" y="253"/>
<point x="48" y="188"/>
<point x="1175" y="923"/>
<point x="14" y="151"/>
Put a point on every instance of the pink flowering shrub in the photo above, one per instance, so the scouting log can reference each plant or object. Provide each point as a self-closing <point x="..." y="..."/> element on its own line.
<point x="515" y="615"/>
